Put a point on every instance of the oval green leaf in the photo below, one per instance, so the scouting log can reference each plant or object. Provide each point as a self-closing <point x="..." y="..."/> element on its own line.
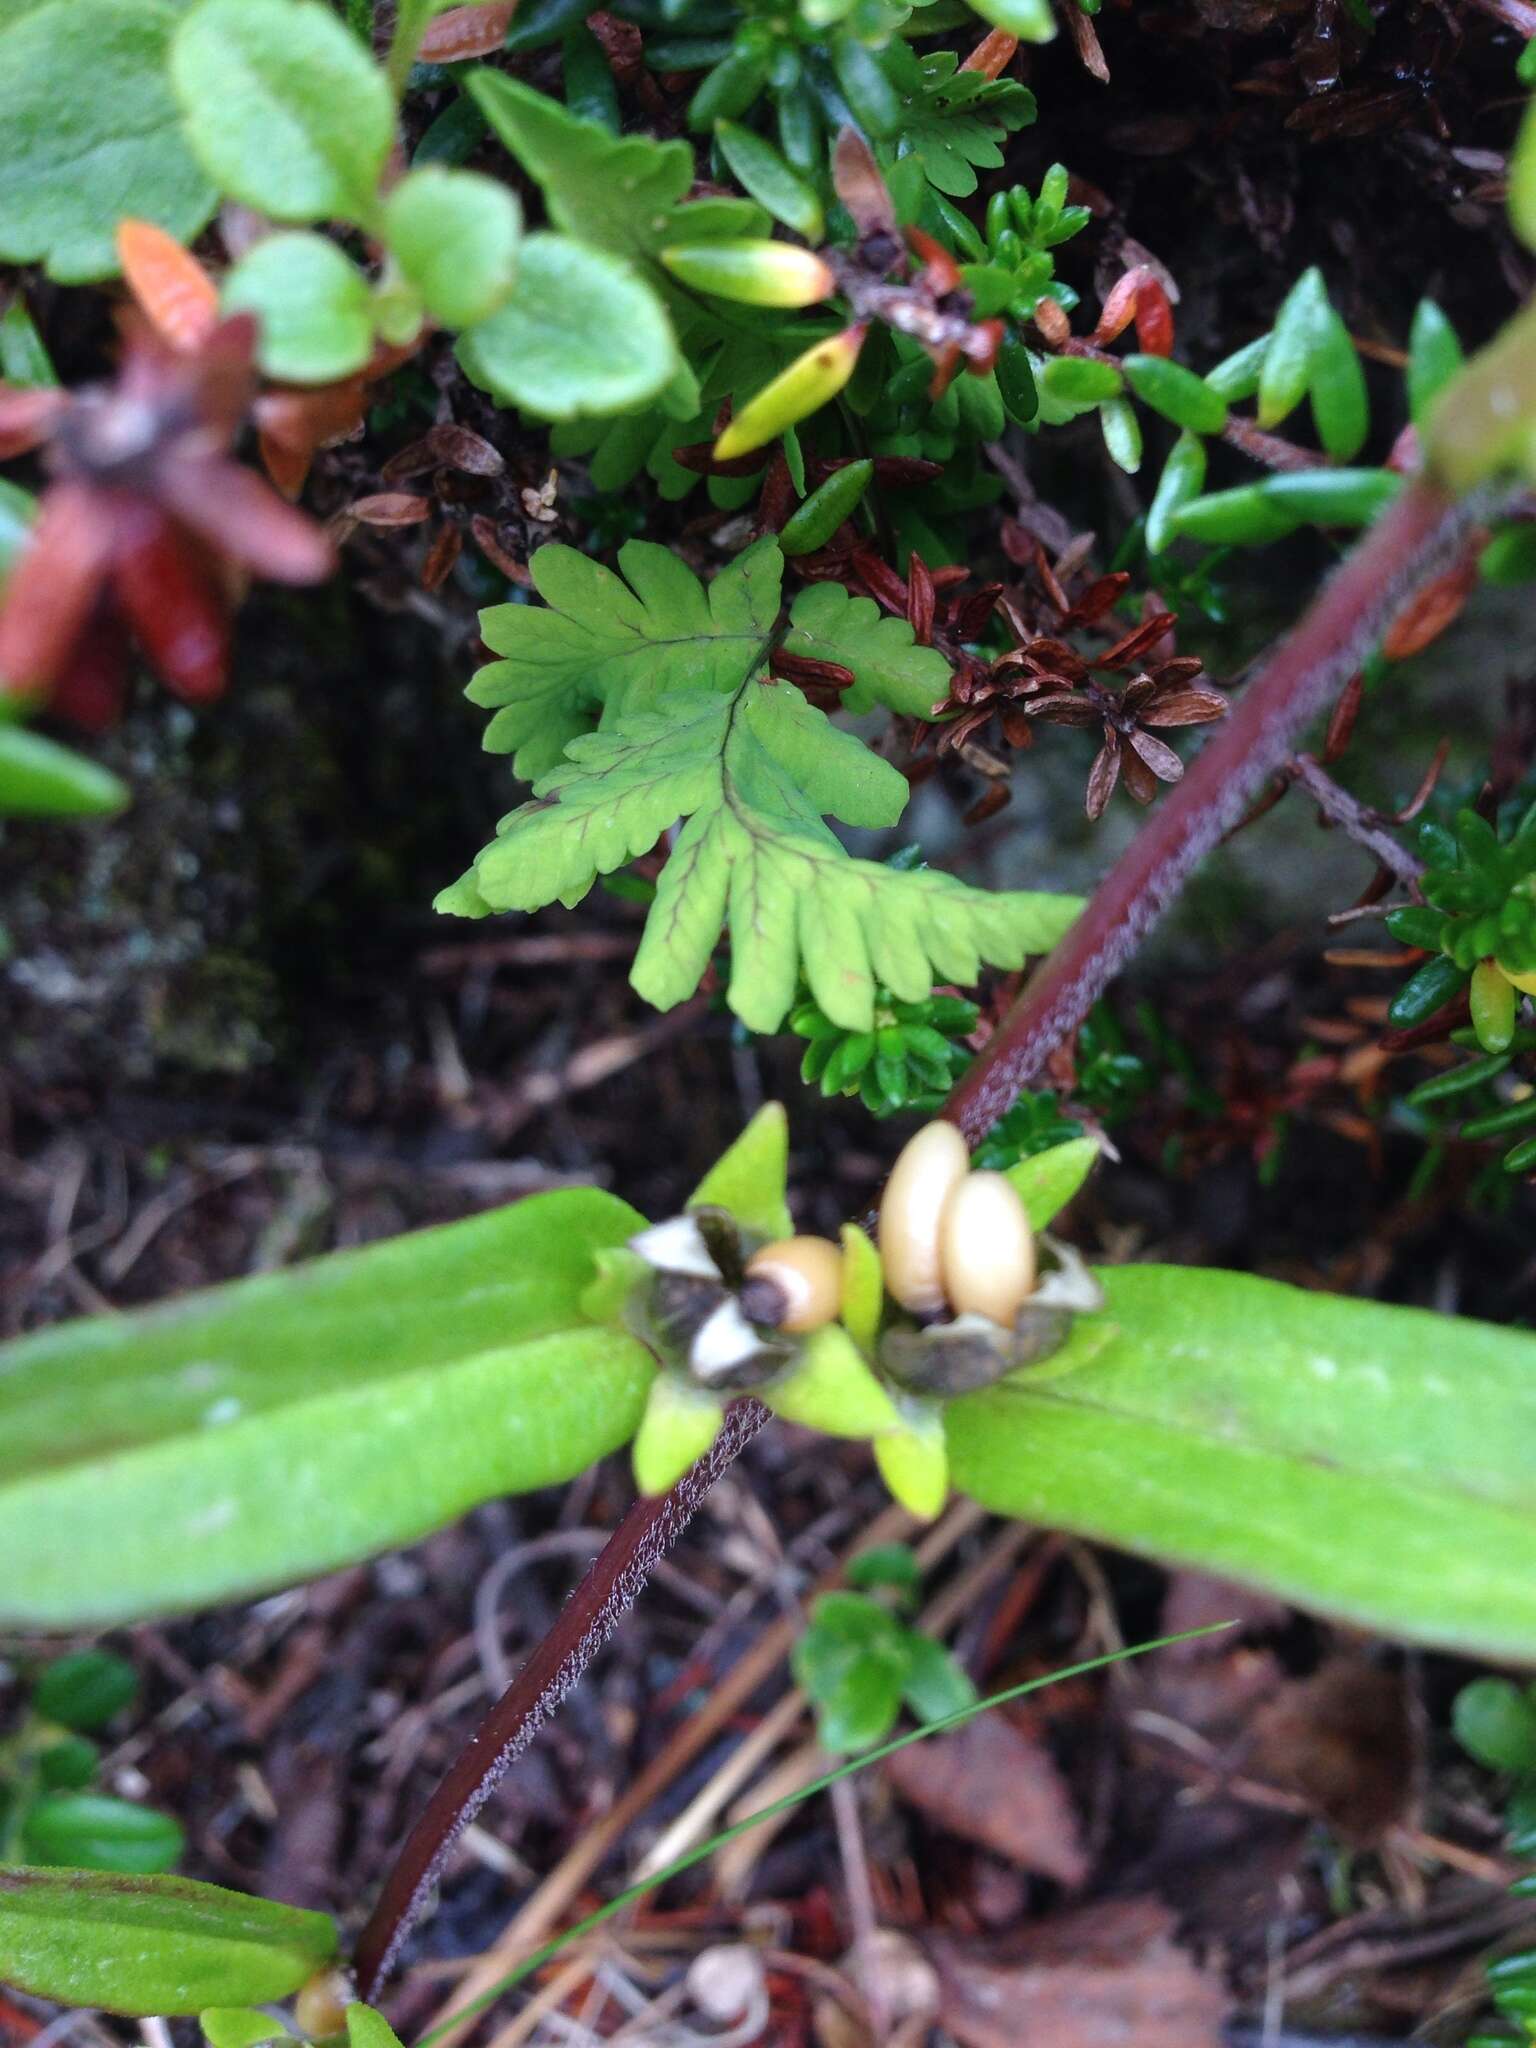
<point x="41" y="779"/>
<point x="455" y="234"/>
<point x="314" y="305"/>
<point x="1361" y="1460"/>
<point x="93" y="1831"/>
<point x="152" y="1945"/>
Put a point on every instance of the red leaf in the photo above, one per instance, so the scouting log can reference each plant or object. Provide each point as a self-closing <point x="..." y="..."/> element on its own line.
<point x="169" y="600"/>
<point x="94" y="679"/>
<point x="27" y="415"/>
<point x="52" y="587"/>
<point x="238" y="515"/>
<point x="467" y="32"/>
<point x="173" y="291"/>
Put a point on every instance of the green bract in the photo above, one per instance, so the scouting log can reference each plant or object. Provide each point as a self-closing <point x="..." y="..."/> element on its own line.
<point x="284" y="107"/>
<point x="90" y="132"/>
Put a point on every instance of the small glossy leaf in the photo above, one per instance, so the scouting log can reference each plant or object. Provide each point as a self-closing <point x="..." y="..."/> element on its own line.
<point x="1286" y="371"/>
<point x="70" y="1765"/>
<point x="581" y="334"/>
<point x="936" y="1686"/>
<point x="1016" y="380"/>
<point x="1122" y="434"/>
<point x="261" y="1432"/>
<point x="863" y="1287"/>
<point x="1425" y="991"/>
<point x="679" y="1425"/>
<point x="769" y="179"/>
<point x="455" y="236"/>
<point x="1237" y="376"/>
<point x="1182" y="481"/>
<point x="239" y="2026"/>
<point x="1495" y="1720"/>
<point x="41" y="779"/>
<point x="1340" y="408"/>
<point x="748" y="1179"/>
<point x="92" y="1831"/>
<point x="1177" y="393"/>
<point x="284" y="107"/>
<point x="813" y="524"/>
<point x="1080" y="380"/>
<point x="1243" y="516"/>
<point x="314" y="305"/>
<point x="913" y="1460"/>
<point x="152" y="1945"/>
<point x="811" y="381"/>
<point x="1493" y="1007"/>
<point x="1434" y="356"/>
<point x="1361" y="1460"/>
<point x="86" y="1690"/>
<point x="368" y="2028"/>
<point x="1047" y="1181"/>
<point x="888" y="1564"/>
<point x="89" y="132"/>
<point x="752" y="270"/>
<point x="1332" y="497"/>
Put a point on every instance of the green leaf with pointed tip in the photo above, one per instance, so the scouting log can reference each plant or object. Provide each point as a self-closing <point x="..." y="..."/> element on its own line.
<point x="750" y="1176"/>
<point x="41" y="779"/>
<point x="259" y="1433"/>
<point x="1365" y="1461"/>
<point x="863" y="1288"/>
<point x="89" y="133"/>
<point x="827" y="624"/>
<point x="582" y="333"/>
<point x="913" y="1459"/>
<point x="284" y="107"/>
<point x="368" y="2028"/>
<point x="679" y="1425"/>
<point x="1434" y="357"/>
<point x="832" y="1389"/>
<point x="1048" y="1180"/>
<point x="1286" y="370"/>
<point x="146" y="1946"/>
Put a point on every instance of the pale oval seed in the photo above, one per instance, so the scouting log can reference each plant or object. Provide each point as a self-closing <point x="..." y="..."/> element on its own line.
<point x="927" y="1172"/>
<point x="987" y="1249"/>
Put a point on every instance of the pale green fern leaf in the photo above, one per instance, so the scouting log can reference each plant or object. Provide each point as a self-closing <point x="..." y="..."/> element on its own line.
<point x="889" y="668"/>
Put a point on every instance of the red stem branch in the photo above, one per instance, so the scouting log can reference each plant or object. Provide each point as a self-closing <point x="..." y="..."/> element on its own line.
<point x="1414" y="539"/>
<point x="612" y="1582"/>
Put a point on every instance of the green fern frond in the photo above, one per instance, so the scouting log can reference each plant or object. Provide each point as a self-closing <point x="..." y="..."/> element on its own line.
<point x="828" y="624"/>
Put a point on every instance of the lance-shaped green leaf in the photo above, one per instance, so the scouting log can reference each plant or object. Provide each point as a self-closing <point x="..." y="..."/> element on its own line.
<point x="41" y="779"/>
<point x="152" y="1945"/>
<point x="1361" y="1460"/>
<point x="258" y="1433"/>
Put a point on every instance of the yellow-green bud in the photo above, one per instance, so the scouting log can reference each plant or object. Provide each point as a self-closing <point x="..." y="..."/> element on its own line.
<point x="753" y="271"/>
<point x="809" y="382"/>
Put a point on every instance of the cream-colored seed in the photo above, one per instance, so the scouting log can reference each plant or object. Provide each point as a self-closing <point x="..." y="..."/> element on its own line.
<point x="929" y="1169"/>
<point x="809" y="1270"/>
<point x="986" y="1249"/>
<point x="320" y="2010"/>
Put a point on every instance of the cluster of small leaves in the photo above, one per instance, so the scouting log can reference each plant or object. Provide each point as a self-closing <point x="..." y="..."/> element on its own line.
<point x="1480" y="1101"/>
<point x="909" y="1061"/>
<point x="1495" y="1722"/>
<point x="50" y="1810"/>
<point x="1477" y="922"/>
<point x="861" y="1660"/>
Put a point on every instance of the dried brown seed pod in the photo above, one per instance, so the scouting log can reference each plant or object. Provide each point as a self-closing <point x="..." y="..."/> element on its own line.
<point x="929" y="1169"/>
<point x="795" y="1284"/>
<point x="986" y="1249"/>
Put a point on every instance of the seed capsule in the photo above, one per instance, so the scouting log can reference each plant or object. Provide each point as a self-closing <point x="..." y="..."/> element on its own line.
<point x="931" y="1166"/>
<point x="321" y="2006"/>
<point x="986" y="1249"/>
<point x="794" y="1285"/>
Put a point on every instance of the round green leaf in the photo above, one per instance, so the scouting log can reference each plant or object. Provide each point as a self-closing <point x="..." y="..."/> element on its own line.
<point x="70" y="1765"/>
<point x="89" y="133"/>
<point x="580" y="334"/>
<point x="85" y="1691"/>
<point x="152" y="1945"/>
<point x="454" y="234"/>
<point x="41" y="779"/>
<point x="284" y="107"/>
<point x="314" y="305"/>
<point x="91" y="1831"/>
<point x="1495" y="1721"/>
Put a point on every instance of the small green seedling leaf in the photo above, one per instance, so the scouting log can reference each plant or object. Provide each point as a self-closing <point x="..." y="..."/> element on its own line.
<point x="887" y="1564"/>
<point x="93" y="1831"/>
<point x="70" y="1765"/>
<point x="936" y="1686"/>
<point x="147" y="1946"/>
<point x="582" y="333"/>
<point x="90" y="132"/>
<point x="749" y="1178"/>
<point x="1495" y="1721"/>
<point x="1046" y="1181"/>
<point x="314" y="305"/>
<point x="86" y="1690"/>
<point x="284" y="107"/>
<point x="455" y="236"/>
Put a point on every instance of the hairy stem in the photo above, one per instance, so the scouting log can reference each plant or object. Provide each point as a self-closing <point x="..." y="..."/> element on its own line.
<point x="1418" y="536"/>
<point x="611" y="1584"/>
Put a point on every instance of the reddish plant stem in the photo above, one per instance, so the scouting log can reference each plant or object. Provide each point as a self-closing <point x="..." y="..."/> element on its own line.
<point x="1419" y="535"/>
<point x="611" y="1584"/>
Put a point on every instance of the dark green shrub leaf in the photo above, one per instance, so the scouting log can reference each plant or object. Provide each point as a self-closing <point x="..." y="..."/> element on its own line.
<point x="581" y="334"/>
<point x="1332" y="497"/>
<point x="1495" y="1721"/>
<point x="284" y="107"/>
<point x="1361" y="1460"/>
<point x="92" y="1831"/>
<point x="1425" y="991"/>
<point x="1245" y="516"/>
<point x="89" y="132"/>
<point x="1016" y="380"/>
<point x="41" y="779"/>
<point x="1181" y="482"/>
<point x="824" y="511"/>
<point x="1178" y="394"/>
<point x="85" y="1691"/>
<point x="152" y="1945"/>
<point x="455" y="236"/>
<point x="888" y="1564"/>
<point x="314" y="305"/>
<point x="770" y="180"/>
<point x="261" y="1432"/>
<point x="69" y="1765"/>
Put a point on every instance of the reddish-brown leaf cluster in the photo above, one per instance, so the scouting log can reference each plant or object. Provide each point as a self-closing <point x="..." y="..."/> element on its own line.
<point x="462" y="481"/>
<point x="148" y="524"/>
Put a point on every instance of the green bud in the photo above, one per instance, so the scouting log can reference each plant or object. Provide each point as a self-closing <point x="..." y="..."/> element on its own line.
<point x="753" y="272"/>
<point x="808" y="384"/>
